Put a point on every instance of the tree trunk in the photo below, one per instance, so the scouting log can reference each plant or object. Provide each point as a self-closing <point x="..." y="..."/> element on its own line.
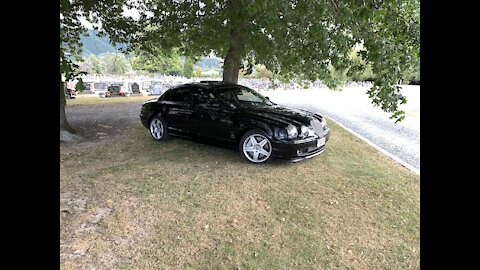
<point x="231" y="65"/>
<point x="233" y="59"/>
<point x="67" y="133"/>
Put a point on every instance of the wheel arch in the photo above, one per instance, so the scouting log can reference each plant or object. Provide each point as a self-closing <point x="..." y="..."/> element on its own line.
<point x="255" y="125"/>
<point x="153" y="114"/>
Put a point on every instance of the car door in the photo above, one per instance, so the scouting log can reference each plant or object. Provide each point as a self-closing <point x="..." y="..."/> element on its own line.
<point x="179" y="110"/>
<point x="211" y="118"/>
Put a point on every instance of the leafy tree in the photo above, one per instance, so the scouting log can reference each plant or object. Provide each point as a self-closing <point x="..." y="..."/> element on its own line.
<point x="359" y="70"/>
<point x="188" y="67"/>
<point x="91" y="64"/>
<point x="262" y="72"/>
<point x="114" y="63"/>
<point x="118" y="27"/>
<point x="413" y="73"/>
<point x="157" y="61"/>
<point x="198" y="72"/>
<point x="297" y="38"/>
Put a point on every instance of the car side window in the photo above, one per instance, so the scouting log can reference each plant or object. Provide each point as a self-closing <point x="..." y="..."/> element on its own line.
<point x="182" y="95"/>
<point x="202" y="97"/>
<point x="167" y="96"/>
<point x="244" y="95"/>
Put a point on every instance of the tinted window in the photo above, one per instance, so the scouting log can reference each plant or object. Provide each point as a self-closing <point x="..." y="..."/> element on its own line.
<point x="167" y="96"/>
<point x="182" y="95"/>
<point x="242" y="96"/>
<point x="202" y="97"/>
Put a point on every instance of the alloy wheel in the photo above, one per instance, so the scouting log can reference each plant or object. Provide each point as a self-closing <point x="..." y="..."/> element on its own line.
<point x="156" y="129"/>
<point x="257" y="148"/>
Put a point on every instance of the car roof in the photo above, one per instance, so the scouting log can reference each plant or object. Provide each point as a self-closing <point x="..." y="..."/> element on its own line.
<point x="206" y="85"/>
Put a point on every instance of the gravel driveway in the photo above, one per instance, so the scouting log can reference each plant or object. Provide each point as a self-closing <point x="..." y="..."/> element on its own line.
<point x="352" y="108"/>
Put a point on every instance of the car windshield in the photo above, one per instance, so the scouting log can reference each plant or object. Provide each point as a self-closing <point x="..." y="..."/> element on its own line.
<point x="242" y="96"/>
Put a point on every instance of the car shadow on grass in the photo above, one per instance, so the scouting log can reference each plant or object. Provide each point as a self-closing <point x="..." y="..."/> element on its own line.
<point x="185" y="149"/>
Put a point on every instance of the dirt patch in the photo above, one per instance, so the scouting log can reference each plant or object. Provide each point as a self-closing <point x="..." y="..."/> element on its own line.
<point x="100" y="123"/>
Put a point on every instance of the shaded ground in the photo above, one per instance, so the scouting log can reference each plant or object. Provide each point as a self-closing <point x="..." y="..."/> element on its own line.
<point x="101" y="122"/>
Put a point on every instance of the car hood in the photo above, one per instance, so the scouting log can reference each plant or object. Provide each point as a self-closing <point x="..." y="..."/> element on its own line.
<point x="150" y="101"/>
<point x="281" y="116"/>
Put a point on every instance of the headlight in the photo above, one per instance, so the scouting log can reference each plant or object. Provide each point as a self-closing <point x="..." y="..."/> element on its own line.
<point x="324" y="123"/>
<point x="303" y="131"/>
<point x="306" y="131"/>
<point x="280" y="133"/>
<point x="292" y="131"/>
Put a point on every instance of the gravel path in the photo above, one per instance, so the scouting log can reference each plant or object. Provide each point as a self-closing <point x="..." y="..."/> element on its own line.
<point x="352" y="108"/>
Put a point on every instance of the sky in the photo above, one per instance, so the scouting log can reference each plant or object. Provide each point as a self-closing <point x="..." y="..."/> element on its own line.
<point x="126" y="12"/>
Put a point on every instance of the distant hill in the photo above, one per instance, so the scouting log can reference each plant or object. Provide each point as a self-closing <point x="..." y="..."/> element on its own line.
<point x="94" y="44"/>
<point x="209" y="63"/>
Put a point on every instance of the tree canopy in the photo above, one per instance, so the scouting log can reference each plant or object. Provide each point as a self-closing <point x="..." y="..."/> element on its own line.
<point x="106" y="16"/>
<point x="296" y="38"/>
<point x="157" y="61"/>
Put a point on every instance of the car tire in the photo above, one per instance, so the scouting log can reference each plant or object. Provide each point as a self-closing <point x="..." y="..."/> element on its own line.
<point x="256" y="147"/>
<point x="158" y="128"/>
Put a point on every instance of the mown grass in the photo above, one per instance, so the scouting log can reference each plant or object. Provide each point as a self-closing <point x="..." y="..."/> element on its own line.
<point x="87" y="100"/>
<point x="184" y="205"/>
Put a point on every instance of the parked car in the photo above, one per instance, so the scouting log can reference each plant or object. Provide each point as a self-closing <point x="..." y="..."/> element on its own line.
<point x="235" y="115"/>
<point x="113" y="90"/>
<point x="70" y="93"/>
<point x="124" y="93"/>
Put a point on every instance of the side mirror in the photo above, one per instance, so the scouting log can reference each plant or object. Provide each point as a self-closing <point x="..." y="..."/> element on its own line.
<point x="267" y="98"/>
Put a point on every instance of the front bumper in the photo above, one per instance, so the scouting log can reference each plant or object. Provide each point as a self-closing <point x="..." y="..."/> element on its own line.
<point x="299" y="149"/>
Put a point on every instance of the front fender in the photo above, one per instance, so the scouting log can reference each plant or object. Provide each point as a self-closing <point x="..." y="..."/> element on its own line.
<point x="253" y="124"/>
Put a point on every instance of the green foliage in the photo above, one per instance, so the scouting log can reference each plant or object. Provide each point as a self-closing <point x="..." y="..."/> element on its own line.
<point x="157" y="61"/>
<point x="188" y="68"/>
<point x="79" y="86"/>
<point x="262" y="72"/>
<point x="198" y="72"/>
<point x="108" y="13"/>
<point x="209" y="62"/>
<point x="92" y="65"/>
<point x="114" y="63"/>
<point x="359" y="69"/>
<point x="298" y="39"/>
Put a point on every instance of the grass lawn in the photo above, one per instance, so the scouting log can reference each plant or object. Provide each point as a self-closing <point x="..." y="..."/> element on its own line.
<point x="140" y="204"/>
<point x="86" y="100"/>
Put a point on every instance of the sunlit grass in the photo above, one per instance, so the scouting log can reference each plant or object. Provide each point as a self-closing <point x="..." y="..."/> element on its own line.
<point x="87" y="100"/>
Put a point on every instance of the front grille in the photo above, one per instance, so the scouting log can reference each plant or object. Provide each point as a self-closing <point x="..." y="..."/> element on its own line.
<point x="309" y="150"/>
<point x="317" y="127"/>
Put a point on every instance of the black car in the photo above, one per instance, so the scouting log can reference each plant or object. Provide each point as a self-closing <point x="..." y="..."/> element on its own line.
<point x="235" y="115"/>
<point x="70" y="93"/>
